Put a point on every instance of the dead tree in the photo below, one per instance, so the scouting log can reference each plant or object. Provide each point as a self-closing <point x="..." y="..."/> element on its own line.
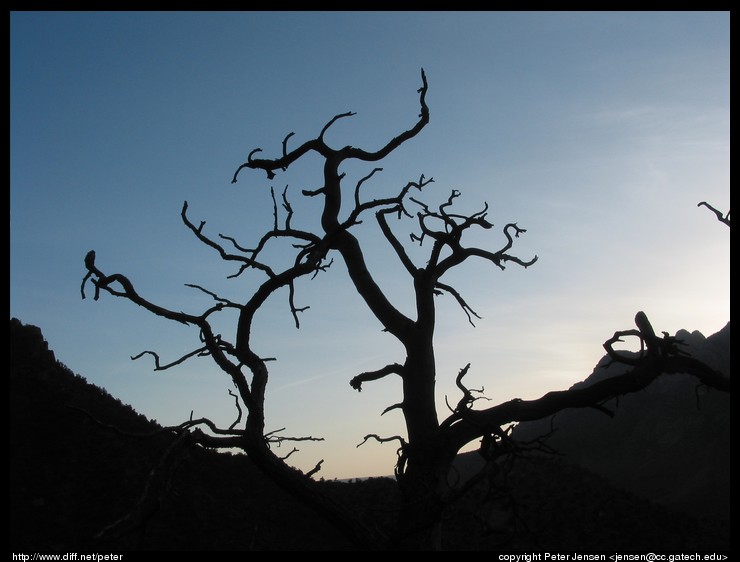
<point x="429" y="446"/>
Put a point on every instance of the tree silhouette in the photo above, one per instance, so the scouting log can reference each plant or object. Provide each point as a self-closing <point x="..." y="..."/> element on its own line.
<point x="426" y="452"/>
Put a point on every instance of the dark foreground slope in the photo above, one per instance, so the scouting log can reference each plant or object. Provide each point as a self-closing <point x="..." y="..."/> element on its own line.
<point x="70" y="477"/>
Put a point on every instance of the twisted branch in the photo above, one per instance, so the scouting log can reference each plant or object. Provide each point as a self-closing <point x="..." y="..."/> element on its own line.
<point x="200" y="352"/>
<point x="391" y="408"/>
<point x="104" y="282"/>
<point x="393" y="368"/>
<point x="450" y="236"/>
<point x="724" y="219"/>
<point x="315" y="469"/>
<point x="382" y="439"/>
<point x="226" y="437"/>
<point x="464" y="305"/>
<point x="269" y="166"/>
<point x="238" y="410"/>
<point x="363" y="180"/>
<point x="225" y="302"/>
<point x="272" y="437"/>
<point x="661" y="357"/>
<point x="650" y="345"/>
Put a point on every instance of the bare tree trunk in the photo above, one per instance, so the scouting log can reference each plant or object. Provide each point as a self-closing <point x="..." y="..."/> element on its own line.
<point x="425" y="487"/>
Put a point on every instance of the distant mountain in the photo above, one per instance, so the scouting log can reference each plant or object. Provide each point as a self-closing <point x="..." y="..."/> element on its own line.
<point x="70" y="477"/>
<point x="669" y="443"/>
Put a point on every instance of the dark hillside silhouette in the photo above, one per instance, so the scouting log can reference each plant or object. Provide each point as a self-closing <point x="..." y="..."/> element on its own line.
<point x="669" y="443"/>
<point x="70" y="478"/>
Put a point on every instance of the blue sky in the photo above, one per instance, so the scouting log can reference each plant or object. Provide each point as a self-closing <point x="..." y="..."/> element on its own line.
<point x="597" y="132"/>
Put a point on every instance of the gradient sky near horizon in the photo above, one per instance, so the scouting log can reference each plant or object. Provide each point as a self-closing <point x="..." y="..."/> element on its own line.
<point x="597" y="132"/>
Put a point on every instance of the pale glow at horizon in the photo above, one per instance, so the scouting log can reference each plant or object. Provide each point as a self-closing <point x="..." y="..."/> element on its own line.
<point x="596" y="132"/>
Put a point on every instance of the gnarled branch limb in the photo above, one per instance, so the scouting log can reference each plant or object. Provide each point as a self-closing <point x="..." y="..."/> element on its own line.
<point x="315" y="469"/>
<point x="118" y="430"/>
<point x="238" y="410"/>
<point x="214" y="429"/>
<point x="382" y="439"/>
<point x="465" y="403"/>
<point x="393" y="368"/>
<point x="293" y="309"/>
<point x="391" y="408"/>
<point x="667" y="361"/>
<point x="224" y="438"/>
<point x="102" y="281"/>
<point x="395" y="244"/>
<point x="363" y="180"/>
<point x="396" y="206"/>
<point x="198" y="231"/>
<point x="724" y="219"/>
<point x="449" y="235"/>
<point x="212" y="342"/>
<point x="225" y="302"/>
<point x="286" y="205"/>
<point x="292" y="451"/>
<point x="389" y="204"/>
<point x="332" y="121"/>
<point x="273" y="437"/>
<point x="200" y="352"/>
<point x="619" y="357"/>
<point x="281" y="163"/>
<point x="464" y="305"/>
<point x="394" y="143"/>
<point x="651" y="346"/>
<point x="312" y="241"/>
<point x="498" y="258"/>
<point x="467" y="392"/>
<point x="285" y="145"/>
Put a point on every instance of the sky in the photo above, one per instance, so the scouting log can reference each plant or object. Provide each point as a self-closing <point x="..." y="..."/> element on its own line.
<point x="597" y="132"/>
